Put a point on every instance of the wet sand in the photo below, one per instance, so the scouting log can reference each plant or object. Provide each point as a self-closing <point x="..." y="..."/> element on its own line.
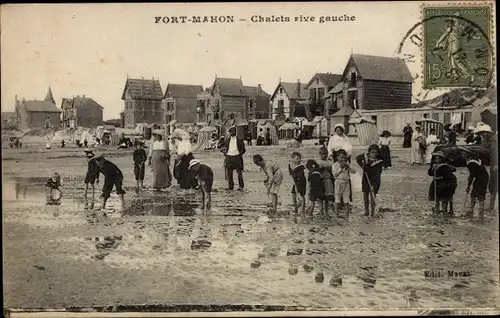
<point x="163" y="249"/>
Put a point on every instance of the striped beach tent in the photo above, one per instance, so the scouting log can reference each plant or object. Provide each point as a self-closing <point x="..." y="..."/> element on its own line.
<point x="366" y="129"/>
<point x="427" y="124"/>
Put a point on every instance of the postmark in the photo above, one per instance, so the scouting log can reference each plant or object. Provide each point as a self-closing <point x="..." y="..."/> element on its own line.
<point x="456" y="46"/>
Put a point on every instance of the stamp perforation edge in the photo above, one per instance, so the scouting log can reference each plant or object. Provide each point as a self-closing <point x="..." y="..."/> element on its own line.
<point x="491" y="33"/>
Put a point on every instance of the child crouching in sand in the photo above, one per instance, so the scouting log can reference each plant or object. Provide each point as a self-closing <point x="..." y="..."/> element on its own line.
<point x="205" y="177"/>
<point x="274" y="178"/>
<point x="54" y="184"/>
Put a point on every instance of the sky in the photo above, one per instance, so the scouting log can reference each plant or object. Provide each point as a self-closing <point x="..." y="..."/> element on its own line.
<point x="91" y="48"/>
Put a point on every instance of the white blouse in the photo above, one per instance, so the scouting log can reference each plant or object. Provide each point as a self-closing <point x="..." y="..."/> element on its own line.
<point x="384" y="141"/>
<point x="157" y="145"/>
<point x="337" y="142"/>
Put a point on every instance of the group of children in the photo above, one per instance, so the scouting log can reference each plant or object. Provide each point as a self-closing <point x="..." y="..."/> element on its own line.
<point x="329" y="182"/>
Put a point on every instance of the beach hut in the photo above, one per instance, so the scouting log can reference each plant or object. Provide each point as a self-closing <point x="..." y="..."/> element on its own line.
<point x="366" y="129"/>
<point x="320" y="127"/>
<point x="263" y="125"/>
<point x="204" y="138"/>
<point x="427" y="124"/>
<point x="342" y="116"/>
<point x="287" y="131"/>
<point x="241" y="128"/>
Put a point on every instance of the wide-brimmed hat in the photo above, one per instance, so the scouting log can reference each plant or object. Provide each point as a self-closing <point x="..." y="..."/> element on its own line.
<point x="470" y="128"/>
<point x="484" y="128"/>
<point x="339" y="126"/>
<point x="193" y="162"/>
<point x="99" y="157"/>
<point x="439" y="154"/>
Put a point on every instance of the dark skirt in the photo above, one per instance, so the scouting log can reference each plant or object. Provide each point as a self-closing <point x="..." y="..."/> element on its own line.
<point x="185" y="177"/>
<point x="407" y="140"/>
<point x="480" y="187"/>
<point x="385" y="152"/>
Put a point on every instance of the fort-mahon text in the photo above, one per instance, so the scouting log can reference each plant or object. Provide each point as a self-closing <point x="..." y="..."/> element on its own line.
<point x="253" y="19"/>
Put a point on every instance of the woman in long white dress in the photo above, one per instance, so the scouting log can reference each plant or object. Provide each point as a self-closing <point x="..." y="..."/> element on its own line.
<point x="432" y="141"/>
<point x="418" y="145"/>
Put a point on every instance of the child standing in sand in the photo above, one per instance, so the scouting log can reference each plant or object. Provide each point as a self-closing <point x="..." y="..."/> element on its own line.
<point x="140" y="158"/>
<point x="54" y="184"/>
<point x="325" y="166"/>
<point x="274" y="178"/>
<point x="341" y="171"/>
<point x="316" y="187"/>
<point x="371" y="163"/>
<point x="296" y="170"/>
<point x="444" y="183"/>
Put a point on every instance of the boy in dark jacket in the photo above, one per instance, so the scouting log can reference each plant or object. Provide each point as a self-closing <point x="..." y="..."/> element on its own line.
<point x="113" y="177"/>
<point x="205" y="177"/>
<point x="92" y="176"/>
<point x="478" y="180"/>
<point x="140" y="158"/>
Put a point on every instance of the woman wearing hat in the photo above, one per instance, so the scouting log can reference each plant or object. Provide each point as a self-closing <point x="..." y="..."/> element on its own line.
<point x="489" y="141"/>
<point x="407" y="134"/>
<point x="337" y="141"/>
<point x="159" y="161"/>
<point x="418" y="147"/>
<point x="472" y="138"/>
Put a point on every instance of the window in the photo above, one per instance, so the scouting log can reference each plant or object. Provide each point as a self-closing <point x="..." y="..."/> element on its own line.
<point x="353" y="82"/>
<point x="435" y="116"/>
<point x="47" y="116"/>
<point x="321" y="93"/>
<point x="281" y="90"/>
<point x="353" y="99"/>
<point x="467" y="118"/>
<point x="281" y="103"/>
<point x="447" y="118"/>
<point x="317" y="81"/>
<point x="312" y="94"/>
<point x="250" y="104"/>
<point x="374" y="118"/>
<point x="426" y="116"/>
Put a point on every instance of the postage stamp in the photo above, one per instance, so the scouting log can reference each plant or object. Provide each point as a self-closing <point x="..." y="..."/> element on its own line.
<point x="457" y="47"/>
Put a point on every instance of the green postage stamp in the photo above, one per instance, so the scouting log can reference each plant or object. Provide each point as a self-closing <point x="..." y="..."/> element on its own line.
<point x="457" y="44"/>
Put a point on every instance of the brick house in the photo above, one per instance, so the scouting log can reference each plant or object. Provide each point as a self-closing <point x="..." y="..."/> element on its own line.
<point x="376" y="82"/>
<point x="289" y="100"/>
<point x="81" y="111"/>
<point x="180" y="102"/>
<point x="204" y="108"/>
<point x="142" y="102"/>
<point x="318" y="87"/>
<point x="229" y="97"/>
<point x="34" y="114"/>
<point x="257" y="103"/>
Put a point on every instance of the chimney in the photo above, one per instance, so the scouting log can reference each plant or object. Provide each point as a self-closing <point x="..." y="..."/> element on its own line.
<point x="83" y="96"/>
<point x="298" y="87"/>
<point x="259" y="89"/>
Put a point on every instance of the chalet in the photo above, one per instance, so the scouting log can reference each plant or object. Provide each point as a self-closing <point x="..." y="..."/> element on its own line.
<point x="318" y="87"/>
<point x="142" y="102"/>
<point x="229" y="97"/>
<point x="289" y="100"/>
<point x="204" y="107"/>
<point x="257" y="106"/>
<point x="181" y="102"/>
<point x="376" y="82"/>
<point x="81" y="111"/>
<point x="33" y="114"/>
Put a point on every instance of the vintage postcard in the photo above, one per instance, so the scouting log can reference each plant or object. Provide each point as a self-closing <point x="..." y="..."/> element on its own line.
<point x="250" y="159"/>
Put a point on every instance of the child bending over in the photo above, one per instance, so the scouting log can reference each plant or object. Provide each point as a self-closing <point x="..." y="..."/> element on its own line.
<point x="274" y="178"/>
<point x="205" y="177"/>
<point x="478" y="180"/>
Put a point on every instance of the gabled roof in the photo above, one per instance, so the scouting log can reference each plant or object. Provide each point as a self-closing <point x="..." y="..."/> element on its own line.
<point x="337" y="88"/>
<point x="328" y="79"/>
<point x="253" y="91"/>
<point x="229" y="86"/>
<point x="143" y="89"/>
<point x="344" y="111"/>
<point x="380" y="68"/>
<point x="291" y="90"/>
<point x="40" y="106"/>
<point x="80" y="102"/>
<point x="183" y="90"/>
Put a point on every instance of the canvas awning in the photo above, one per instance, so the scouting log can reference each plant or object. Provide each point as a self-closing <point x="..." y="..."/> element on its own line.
<point x="215" y="122"/>
<point x="360" y="120"/>
<point x="208" y="128"/>
<point x="279" y="123"/>
<point x="288" y="126"/>
<point x="310" y="123"/>
<point x="241" y="122"/>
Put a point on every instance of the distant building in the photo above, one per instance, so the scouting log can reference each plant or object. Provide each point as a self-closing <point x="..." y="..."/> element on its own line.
<point x="204" y="108"/>
<point x="81" y="111"/>
<point x="376" y="82"/>
<point x="257" y="103"/>
<point x="142" y="102"/>
<point x="318" y="87"/>
<point x="289" y="100"/>
<point x="229" y="97"/>
<point x="180" y="102"/>
<point x="34" y="114"/>
<point x="9" y="120"/>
